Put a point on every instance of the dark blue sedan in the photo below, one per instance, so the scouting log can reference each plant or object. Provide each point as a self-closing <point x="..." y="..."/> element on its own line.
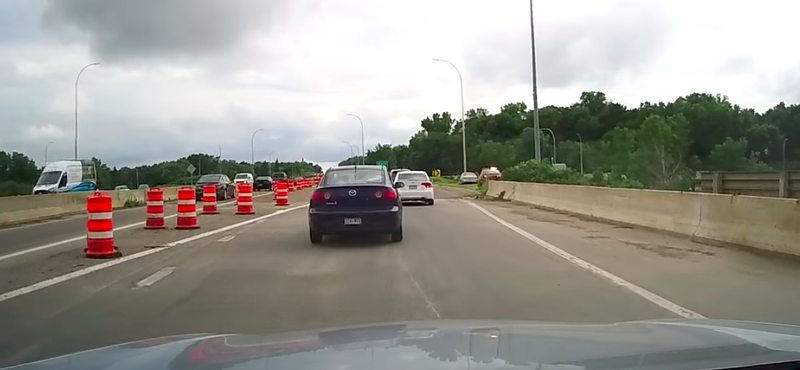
<point x="355" y="199"/>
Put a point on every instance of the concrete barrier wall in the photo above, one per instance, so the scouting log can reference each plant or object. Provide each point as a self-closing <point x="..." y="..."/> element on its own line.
<point x="771" y="224"/>
<point x="26" y="208"/>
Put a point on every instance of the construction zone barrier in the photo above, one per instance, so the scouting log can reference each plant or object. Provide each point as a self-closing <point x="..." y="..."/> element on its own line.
<point x="282" y="194"/>
<point x="155" y="210"/>
<point x="210" y="200"/>
<point x="187" y="209"/>
<point x="244" y="199"/>
<point x="99" y="227"/>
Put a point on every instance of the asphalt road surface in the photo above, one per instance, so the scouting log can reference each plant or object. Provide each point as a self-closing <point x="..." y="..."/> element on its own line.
<point x="461" y="259"/>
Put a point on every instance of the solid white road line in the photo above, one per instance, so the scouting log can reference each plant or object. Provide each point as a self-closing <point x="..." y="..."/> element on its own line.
<point x="118" y="228"/>
<point x="652" y="297"/>
<point x="59" y="279"/>
<point x="152" y="279"/>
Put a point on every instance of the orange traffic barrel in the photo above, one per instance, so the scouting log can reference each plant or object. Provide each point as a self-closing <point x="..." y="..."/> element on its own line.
<point x="99" y="227"/>
<point x="210" y="200"/>
<point x="244" y="199"/>
<point x="155" y="210"/>
<point x="187" y="209"/>
<point x="282" y="194"/>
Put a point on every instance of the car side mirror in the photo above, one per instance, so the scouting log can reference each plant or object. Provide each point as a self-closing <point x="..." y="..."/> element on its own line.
<point x="399" y="185"/>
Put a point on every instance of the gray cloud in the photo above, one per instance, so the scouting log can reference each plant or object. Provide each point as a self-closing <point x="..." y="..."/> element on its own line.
<point x="594" y="50"/>
<point x="155" y="29"/>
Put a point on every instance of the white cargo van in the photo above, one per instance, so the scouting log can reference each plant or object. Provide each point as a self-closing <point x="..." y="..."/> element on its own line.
<point x="59" y="175"/>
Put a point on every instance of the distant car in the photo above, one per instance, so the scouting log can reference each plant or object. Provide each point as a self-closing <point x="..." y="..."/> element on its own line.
<point x="393" y="173"/>
<point x="262" y="183"/>
<point x="121" y="188"/>
<point x="414" y="186"/>
<point x="354" y="199"/>
<point x="279" y="176"/>
<point x="144" y="187"/>
<point x="243" y="177"/>
<point x="491" y="173"/>
<point x="468" y="178"/>
<point x="225" y="188"/>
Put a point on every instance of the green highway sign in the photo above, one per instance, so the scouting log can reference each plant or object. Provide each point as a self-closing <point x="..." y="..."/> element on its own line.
<point x="383" y="163"/>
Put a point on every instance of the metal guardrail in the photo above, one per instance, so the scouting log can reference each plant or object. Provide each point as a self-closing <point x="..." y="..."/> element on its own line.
<point x="780" y="184"/>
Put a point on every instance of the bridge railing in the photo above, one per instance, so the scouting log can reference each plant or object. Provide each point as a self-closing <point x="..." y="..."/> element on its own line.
<point x="780" y="184"/>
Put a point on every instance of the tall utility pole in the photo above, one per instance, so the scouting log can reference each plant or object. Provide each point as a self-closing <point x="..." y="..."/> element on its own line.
<point x="463" y="122"/>
<point x="76" y="104"/>
<point x="45" y="153"/>
<point x="536" y="133"/>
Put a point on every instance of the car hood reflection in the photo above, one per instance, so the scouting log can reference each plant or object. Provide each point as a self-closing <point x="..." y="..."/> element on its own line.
<point x="684" y="344"/>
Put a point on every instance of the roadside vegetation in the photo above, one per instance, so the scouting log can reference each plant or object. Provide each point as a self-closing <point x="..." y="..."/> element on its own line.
<point x="655" y="145"/>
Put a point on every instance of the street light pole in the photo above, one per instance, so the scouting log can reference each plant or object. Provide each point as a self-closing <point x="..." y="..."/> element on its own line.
<point x="463" y="121"/>
<point x="45" y="152"/>
<point x="536" y="139"/>
<point x="784" y="152"/>
<point x="253" y="150"/>
<point x="76" y="104"/>
<point x="554" y="142"/>
<point x="362" y="135"/>
<point x="350" y="146"/>
<point x="580" y="142"/>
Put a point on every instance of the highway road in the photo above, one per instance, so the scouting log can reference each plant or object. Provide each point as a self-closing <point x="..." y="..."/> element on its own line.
<point x="461" y="259"/>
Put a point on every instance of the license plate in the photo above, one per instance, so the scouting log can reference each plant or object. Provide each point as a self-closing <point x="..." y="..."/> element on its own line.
<point x="412" y="186"/>
<point x="352" y="221"/>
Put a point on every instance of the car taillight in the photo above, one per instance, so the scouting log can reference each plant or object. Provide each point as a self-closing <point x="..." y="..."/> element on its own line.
<point x="320" y="195"/>
<point x="427" y="185"/>
<point x="388" y="194"/>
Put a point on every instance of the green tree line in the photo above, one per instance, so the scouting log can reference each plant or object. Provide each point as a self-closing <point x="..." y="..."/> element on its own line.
<point x="658" y="145"/>
<point x="18" y="173"/>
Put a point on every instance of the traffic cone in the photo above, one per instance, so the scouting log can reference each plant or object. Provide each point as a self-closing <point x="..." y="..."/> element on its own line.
<point x="155" y="210"/>
<point x="187" y="209"/>
<point x="282" y="194"/>
<point x="244" y="199"/>
<point x="99" y="227"/>
<point x="210" y="200"/>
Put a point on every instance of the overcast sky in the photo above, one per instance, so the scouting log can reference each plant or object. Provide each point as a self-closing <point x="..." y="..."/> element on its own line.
<point x="184" y="76"/>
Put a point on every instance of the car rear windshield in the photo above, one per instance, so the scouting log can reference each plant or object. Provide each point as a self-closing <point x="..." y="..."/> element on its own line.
<point x="242" y="176"/>
<point x="209" y="179"/>
<point x="263" y="178"/>
<point x="279" y="175"/>
<point x="412" y="176"/>
<point x="355" y="176"/>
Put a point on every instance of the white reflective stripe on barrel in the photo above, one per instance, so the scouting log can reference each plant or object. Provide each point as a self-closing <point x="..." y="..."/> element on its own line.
<point x="244" y="203"/>
<point x="245" y="194"/>
<point x="155" y="215"/>
<point x="99" y="216"/>
<point x="100" y="234"/>
<point x="155" y="202"/>
<point x="281" y="197"/>
<point x="186" y="201"/>
<point x="209" y="203"/>
<point x="187" y="214"/>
